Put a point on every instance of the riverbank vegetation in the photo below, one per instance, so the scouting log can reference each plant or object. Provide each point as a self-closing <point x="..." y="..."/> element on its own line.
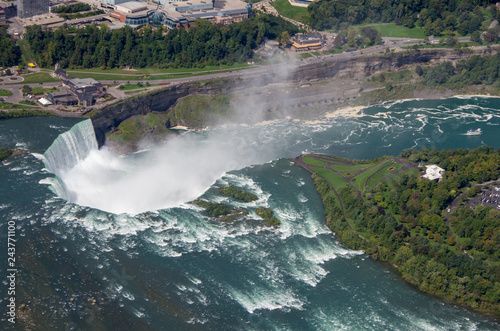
<point x="23" y="112"/>
<point x="130" y="132"/>
<point x="199" y="111"/>
<point x="404" y="220"/>
<point x="477" y="70"/>
<point x="436" y="18"/>
<point x="203" y="44"/>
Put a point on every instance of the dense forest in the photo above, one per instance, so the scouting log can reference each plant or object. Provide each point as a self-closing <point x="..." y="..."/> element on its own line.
<point x="74" y="8"/>
<point x="10" y="54"/>
<point x="201" y="45"/>
<point x="473" y="71"/>
<point x="404" y="222"/>
<point x="354" y="38"/>
<point x="436" y="17"/>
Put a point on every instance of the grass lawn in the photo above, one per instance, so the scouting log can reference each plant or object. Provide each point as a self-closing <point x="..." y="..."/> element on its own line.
<point x="395" y="31"/>
<point x="7" y="105"/>
<point x="313" y="161"/>
<point x="127" y="87"/>
<point x="42" y="90"/>
<point x="304" y="56"/>
<point x="135" y="91"/>
<point x="26" y="51"/>
<point x="154" y="71"/>
<point x="334" y="179"/>
<point x="40" y="77"/>
<point x="316" y="53"/>
<point x="5" y="93"/>
<point x="382" y="173"/>
<point x="344" y="167"/>
<point x="362" y="177"/>
<point x="102" y="76"/>
<point x="29" y="103"/>
<point x="286" y="9"/>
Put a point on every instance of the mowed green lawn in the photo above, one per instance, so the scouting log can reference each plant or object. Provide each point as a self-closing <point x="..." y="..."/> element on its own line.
<point x="5" y="93"/>
<point x="395" y="31"/>
<point x="286" y="9"/>
<point x="39" y="77"/>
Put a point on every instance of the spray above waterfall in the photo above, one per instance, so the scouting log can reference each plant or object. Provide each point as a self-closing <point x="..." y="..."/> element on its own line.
<point x="167" y="175"/>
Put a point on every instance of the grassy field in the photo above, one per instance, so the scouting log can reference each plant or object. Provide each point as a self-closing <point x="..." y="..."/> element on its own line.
<point x="127" y="87"/>
<point x="335" y="180"/>
<point x="5" y="93"/>
<point x="7" y="105"/>
<point x="154" y="71"/>
<point x="362" y="177"/>
<point x="39" y="77"/>
<point x="382" y="173"/>
<point x="26" y="51"/>
<point x="395" y="31"/>
<point x="304" y="56"/>
<point x="344" y="167"/>
<point x="286" y="9"/>
<point x="313" y="161"/>
<point x="43" y="90"/>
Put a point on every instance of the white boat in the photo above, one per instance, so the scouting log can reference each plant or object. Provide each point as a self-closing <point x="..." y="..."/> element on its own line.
<point x="476" y="132"/>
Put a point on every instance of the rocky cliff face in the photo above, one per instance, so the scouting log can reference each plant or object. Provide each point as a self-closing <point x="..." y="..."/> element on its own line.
<point x="350" y="68"/>
<point x="159" y="100"/>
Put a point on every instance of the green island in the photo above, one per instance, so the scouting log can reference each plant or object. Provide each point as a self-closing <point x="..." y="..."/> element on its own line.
<point x="242" y="195"/>
<point x="221" y="210"/>
<point x="267" y="215"/>
<point x="214" y="209"/>
<point x="226" y="214"/>
<point x="443" y="236"/>
<point x="5" y="153"/>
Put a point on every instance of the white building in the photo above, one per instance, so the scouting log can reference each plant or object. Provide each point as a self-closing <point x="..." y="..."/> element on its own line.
<point x="112" y="3"/>
<point x="433" y="172"/>
<point x="131" y="7"/>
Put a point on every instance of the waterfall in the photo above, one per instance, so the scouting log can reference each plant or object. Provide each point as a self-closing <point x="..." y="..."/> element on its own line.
<point x="69" y="149"/>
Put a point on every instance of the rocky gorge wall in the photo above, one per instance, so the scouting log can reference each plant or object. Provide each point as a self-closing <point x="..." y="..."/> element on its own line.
<point x="329" y="69"/>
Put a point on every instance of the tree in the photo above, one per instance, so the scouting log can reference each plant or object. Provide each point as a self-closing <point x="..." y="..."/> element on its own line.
<point x="352" y="37"/>
<point x="285" y="38"/>
<point x="27" y="90"/>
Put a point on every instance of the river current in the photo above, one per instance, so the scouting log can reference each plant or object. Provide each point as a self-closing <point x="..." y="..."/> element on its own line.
<point x="129" y="250"/>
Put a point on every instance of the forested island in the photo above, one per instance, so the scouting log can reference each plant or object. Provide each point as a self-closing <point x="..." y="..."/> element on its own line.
<point x="225" y="213"/>
<point x="438" y="234"/>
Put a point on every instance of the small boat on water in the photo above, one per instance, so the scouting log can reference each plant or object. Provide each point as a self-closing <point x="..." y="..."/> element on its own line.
<point x="476" y="132"/>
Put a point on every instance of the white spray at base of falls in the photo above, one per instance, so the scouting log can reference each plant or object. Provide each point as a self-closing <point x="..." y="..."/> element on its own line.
<point x="169" y="174"/>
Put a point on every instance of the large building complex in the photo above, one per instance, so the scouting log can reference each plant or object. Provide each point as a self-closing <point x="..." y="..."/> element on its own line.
<point x="112" y="3"/>
<point x="182" y="14"/>
<point x="29" y="8"/>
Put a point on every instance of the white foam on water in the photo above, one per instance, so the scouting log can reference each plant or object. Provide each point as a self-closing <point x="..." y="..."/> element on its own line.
<point x="138" y="313"/>
<point x="256" y="298"/>
<point x="128" y="295"/>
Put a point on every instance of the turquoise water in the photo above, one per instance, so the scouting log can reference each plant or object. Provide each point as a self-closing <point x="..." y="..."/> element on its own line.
<point x="154" y="260"/>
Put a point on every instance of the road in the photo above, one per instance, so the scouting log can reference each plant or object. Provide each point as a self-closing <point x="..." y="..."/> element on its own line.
<point x="394" y="45"/>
